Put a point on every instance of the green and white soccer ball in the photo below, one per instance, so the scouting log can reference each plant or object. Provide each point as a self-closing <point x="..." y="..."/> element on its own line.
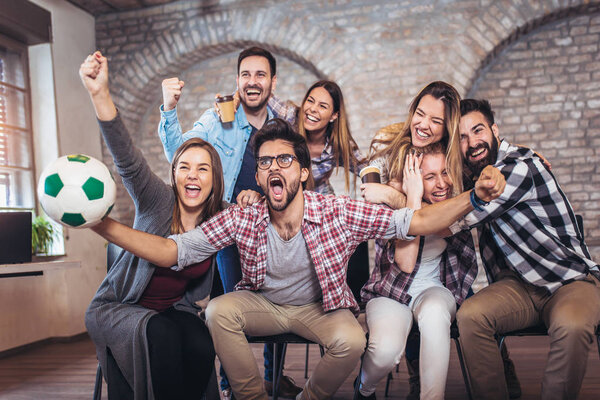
<point x="77" y="191"/>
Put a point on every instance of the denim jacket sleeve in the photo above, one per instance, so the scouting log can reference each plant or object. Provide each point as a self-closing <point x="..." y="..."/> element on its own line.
<point x="170" y="133"/>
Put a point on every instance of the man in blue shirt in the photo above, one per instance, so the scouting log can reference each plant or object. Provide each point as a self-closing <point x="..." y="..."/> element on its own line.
<point x="256" y="79"/>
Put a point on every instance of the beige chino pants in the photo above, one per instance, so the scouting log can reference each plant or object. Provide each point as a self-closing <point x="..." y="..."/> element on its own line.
<point x="571" y="315"/>
<point x="233" y="315"/>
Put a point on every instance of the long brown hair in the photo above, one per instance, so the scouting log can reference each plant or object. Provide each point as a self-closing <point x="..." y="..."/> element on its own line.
<point x="213" y="203"/>
<point x="397" y="146"/>
<point x="342" y="142"/>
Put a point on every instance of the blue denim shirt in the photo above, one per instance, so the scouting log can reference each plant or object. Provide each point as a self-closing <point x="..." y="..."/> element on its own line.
<point x="229" y="139"/>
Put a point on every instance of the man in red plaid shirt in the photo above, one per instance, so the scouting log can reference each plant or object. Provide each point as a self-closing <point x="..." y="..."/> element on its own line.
<point x="294" y="247"/>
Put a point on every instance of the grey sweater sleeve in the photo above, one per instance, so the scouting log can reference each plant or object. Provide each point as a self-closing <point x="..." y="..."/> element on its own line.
<point x="192" y="247"/>
<point x="146" y="189"/>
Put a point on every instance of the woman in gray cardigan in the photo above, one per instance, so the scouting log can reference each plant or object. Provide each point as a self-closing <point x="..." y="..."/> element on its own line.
<point x="143" y="317"/>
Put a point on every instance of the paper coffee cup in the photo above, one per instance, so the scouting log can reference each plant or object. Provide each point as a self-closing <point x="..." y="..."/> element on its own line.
<point x="370" y="174"/>
<point x="225" y="104"/>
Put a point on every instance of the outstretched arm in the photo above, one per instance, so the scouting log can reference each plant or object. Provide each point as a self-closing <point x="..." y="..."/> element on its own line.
<point x="158" y="250"/>
<point x="436" y="217"/>
<point x="94" y="75"/>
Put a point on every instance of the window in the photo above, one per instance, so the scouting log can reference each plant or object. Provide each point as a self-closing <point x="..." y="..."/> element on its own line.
<point x="16" y="152"/>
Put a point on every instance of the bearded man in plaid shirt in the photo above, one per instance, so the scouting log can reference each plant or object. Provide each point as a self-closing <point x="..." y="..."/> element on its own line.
<point x="533" y="251"/>
<point x="294" y="247"/>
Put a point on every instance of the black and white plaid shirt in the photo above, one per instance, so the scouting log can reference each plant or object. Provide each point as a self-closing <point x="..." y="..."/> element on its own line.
<point x="531" y="228"/>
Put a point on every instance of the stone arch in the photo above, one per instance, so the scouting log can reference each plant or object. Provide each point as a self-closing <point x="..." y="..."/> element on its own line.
<point x="543" y="85"/>
<point x="487" y="34"/>
<point x="136" y="77"/>
<point x="529" y="27"/>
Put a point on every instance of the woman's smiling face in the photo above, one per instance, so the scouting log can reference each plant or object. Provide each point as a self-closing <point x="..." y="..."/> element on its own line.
<point x="427" y="124"/>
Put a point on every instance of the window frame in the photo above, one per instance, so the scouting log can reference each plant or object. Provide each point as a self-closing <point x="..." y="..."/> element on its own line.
<point x="22" y="49"/>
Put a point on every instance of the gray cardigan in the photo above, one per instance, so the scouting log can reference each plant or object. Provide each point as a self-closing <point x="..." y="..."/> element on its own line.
<point x="113" y="319"/>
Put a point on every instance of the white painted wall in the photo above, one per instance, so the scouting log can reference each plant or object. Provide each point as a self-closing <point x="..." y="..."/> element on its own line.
<point x="53" y="305"/>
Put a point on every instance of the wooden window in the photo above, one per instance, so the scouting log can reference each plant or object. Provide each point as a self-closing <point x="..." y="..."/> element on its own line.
<point x="16" y="151"/>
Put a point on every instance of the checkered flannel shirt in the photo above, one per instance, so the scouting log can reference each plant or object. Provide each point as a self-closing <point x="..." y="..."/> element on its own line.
<point x="322" y="167"/>
<point x="332" y="228"/>
<point x="458" y="268"/>
<point x="531" y="228"/>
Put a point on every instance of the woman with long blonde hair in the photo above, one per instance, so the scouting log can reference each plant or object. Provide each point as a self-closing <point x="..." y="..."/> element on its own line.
<point x="433" y="116"/>
<point x="433" y="120"/>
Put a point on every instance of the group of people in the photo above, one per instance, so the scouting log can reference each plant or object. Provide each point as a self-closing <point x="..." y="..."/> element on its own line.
<point x="467" y="227"/>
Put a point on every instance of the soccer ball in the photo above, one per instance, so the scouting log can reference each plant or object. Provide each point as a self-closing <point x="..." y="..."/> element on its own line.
<point x="77" y="191"/>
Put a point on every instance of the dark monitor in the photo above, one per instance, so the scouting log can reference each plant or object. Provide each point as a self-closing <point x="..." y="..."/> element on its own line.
<point x="15" y="237"/>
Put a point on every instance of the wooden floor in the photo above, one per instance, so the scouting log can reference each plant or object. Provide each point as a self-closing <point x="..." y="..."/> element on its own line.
<point x="67" y="371"/>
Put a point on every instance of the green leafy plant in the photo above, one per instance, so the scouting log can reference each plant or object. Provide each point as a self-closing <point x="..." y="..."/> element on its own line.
<point x="42" y="235"/>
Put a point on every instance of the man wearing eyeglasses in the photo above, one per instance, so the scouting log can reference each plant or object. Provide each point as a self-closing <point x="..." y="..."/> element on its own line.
<point x="294" y="248"/>
<point x="256" y="80"/>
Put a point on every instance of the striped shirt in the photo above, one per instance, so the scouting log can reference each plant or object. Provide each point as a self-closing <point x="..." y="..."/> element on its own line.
<point x="531" y="228"/>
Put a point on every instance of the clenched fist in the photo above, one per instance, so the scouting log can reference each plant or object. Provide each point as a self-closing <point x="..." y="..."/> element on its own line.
<point x="171" y="90"/>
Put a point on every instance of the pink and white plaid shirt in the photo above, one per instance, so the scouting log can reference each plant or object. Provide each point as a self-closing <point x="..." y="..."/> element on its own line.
<point x="332" y="228"/>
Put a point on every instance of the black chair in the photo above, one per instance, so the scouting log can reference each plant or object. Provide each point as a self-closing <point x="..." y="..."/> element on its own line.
<point x="358" y="274"/>
<point x="538" y="330"/>
<point x="279" y="358"/>
<point x="541" y="330"/>
<point x="112" y="252"/>
<point x="454" y="334"/>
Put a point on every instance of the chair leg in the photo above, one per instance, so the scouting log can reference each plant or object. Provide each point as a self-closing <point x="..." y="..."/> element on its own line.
<point x="98" y="385"/>
<point x="212" y="387"/>
<point x="387" y="383"/>
<point x="306" y="363"/>
<point x="278" y="368"/>
<point x="500" y="341"/>
<point x="598" y="340"/>
<point x="463" y="369"/>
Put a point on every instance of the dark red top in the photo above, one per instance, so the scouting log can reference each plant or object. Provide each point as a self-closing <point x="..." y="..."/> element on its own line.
<point x="167" y="286"/>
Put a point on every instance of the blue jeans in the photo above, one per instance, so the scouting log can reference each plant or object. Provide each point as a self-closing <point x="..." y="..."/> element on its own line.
<point x="230" y="270"/>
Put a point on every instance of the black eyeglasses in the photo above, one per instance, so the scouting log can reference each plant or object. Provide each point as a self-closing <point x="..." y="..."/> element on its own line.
<point x="283" y="160"/>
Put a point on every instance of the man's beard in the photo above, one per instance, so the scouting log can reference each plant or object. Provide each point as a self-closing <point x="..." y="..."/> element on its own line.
<point x="490" y="159"/>
<point x="260" y="105"/>
<point x="291" y="190"/>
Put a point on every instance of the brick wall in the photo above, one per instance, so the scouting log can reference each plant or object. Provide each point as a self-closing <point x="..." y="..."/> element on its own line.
<point x="545" y="89"/>
<point x="381" y="53"/>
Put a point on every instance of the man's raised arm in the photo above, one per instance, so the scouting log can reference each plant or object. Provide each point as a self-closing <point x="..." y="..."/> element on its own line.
<point x="436" y="217"/>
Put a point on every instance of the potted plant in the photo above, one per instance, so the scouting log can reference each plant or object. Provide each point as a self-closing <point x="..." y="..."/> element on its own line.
<point x="42" y="235"/>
